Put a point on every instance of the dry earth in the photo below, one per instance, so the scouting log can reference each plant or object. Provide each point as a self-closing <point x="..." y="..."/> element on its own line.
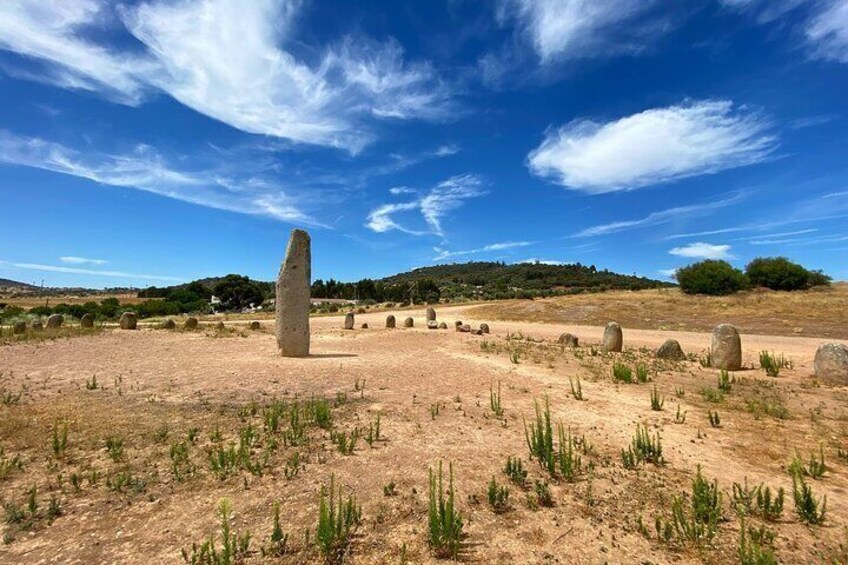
<point x="154" y="386"/>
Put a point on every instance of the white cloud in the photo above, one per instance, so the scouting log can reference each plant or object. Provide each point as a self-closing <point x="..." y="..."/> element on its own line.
<point x="827" y="31"/>
<point x="71" y="260"/>
<point x="443" y="198"/>
<point x="145" y="169"/>
<point x="227" y="60"/>
<point x="668" y="273"/>
<point x="445" y="254"/>
<point x="568" y="29"/>
<point x="533" y="260"/>
<point x="655" y="146"/>
<point x="78" y="271"/>
<point x="701" y="250"/>
<point x="658" y="218"/>
<point x="396" y="190"/>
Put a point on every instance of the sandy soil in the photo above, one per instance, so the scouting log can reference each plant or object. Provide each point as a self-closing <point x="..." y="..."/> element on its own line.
<point x="154" y="385"/>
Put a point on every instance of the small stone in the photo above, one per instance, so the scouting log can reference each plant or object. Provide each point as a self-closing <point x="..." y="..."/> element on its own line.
<point x="831" y="364"/>
<point x="55" y="321"/>
<point x="128" y="321"/>
<point x="457" y="323"/>
<point x="190" y="323"/>
<point x="408" y="323"/>
<point x="432" y="325"/>
<point x="390" y="321"/>
<point x="465" y="328"/>
<point x="568" y="340"/>
<point x="671" y="350"/>
<point x="484" y="328"/>
<point x="349" y="321"/>
<point x="613" y="338"/>
<point x="443" y="326"/>
<point x="255" y="325"/>
<point x="19" y="328"/>
<point x="726" y="348"/>
<point x="476" y="332"/>
<point x="169" y="324"/>
<point x="87" y="321"/>
<point x="37" y="326"/>
<point x="431" y="314"/>
<point x="364" y="326"/>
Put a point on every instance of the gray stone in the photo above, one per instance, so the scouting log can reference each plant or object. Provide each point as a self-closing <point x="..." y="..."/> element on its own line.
<point x="476" y="332"/>
<point x="293" y="292"/>
<point x="432" y="325"/>
<point x="832" y="364"/>
<point x="55" y="321"/>
<point x="190" y="323"/>
<point x="431" y="314"/>
<point x="129" y="321"/>
<point x="457" y="324"/>
<point x="443" y="326"/>
<point x="465" y="328"/>
<point x="390" y="321"/>
<point x="613" y="338"/>
<point x="726" y="348"/>
<point x="87" y="321"/>
<point x="568" y="340"/>
<point x="255" y="325"/>
<point x="19" y="328"/>
<point x="37" y="326"/>
<point x="408" y="323"/>
<point x="169" y="324"/>
<point x="364" y="326"/>
<point x="484" y="328"/>
<point x="349" y="321"/>
<point x="671" y="350"/>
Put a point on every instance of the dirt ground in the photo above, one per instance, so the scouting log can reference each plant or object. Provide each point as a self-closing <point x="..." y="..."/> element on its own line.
<point x="820" y="312"/>
<point x="156" y="389"/>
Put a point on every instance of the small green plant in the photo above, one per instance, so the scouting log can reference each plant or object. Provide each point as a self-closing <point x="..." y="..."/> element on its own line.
<point x="712" y="395"/>
<point x="657" y="401"/>
<point x="292" y="467"/>
<point x="181" y="465"/>
<point x="769" y="507"/>
<point x="679" y="392"/>
<point x="576" y="389"/>
<point x="628" y="458"/>
<point x="809" y="509"/>
<point x="697" y="521"/>
<point x="322" y="414"/>
<point x="772" y="364"/>
<point x="9" y="464"/>
<point x="706" y="360"/>
<point x="514" y="469"/>
<point x="642" y="373"/>
<point x="543" y="494"/>
<point x="815" y="469"/>
<point x="647" y="448"/>
<point x="278" y="540"/>
<point x="621" y="373"/>
<point x="743" y="497"/>
<point x="498" y="496"/>
<point x="345" y="442"/>
<point x="540" y="438"/>
<point x="444" y="520"/>
<point x="724" y="381"/>
<point x="569" y="463"/>
<point x="495" y="401"/>
<point x="338" y="520"/>
<point x="60" y="439"/>
<point x="234" y="546"/>
<point x="115" y="447"/>
<point x="434" y="410"/>
<point x="679" y="417"/>
<point x="92" y="384"/>
<point x="715" y="419"/>
<point x="389" y="489"/>
<point x="373" y="431"/>
<point x="754" y="546"/>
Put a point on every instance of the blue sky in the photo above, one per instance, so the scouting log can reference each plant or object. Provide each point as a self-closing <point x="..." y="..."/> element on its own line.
<point x="156" y="142"/>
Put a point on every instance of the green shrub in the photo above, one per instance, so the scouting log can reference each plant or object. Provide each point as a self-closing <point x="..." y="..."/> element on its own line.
<point x="711" y="277"/>
<point x="337" y="522"/>
<point x="779" y="273"/>
<point x="445" y="522"/>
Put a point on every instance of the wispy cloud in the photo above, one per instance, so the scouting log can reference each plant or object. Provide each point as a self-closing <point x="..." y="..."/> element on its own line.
<point x="224" y="59"/>
<point x="71" y="260"/>
<point x="655" y="146"/>
<point x="445" y="254"/>
<point x="658" y="218"/>
<point x="92" y="272"/>
<point x="667" y="273"/>
<point x="700" y="250"/>
<point x="443" y="198"/>
<point x="145" y="169"/>
<point x="534" y="261"/>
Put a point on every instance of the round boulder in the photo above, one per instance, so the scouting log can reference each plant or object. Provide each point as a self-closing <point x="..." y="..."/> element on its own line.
<point x="465" y="328"/>
<point x="55" y="321"/>
<point x="364" y="326"/>
<point x="457" y="324"/>
<point x="568" y="340"/>
<point x="726" y="348"/>
<point x="408" y="323"/>
<point x="484" y="328"/>
<point x="832" y="363"/>
<point x="443" y="326"/>
<point x="129" y="321"/>
<point x="37" y="326"/>
<point x="190" y="323"/>
<point x="87" y="321"/>
<point x="671" y="350"/>
<point x="390" y="321"/>
<point x="432" y="325"/>
<point x="349" y="321"/>
<point x="168" y="324"/>
<point x="255" y="325"/>
<point x="19" y="327"/>
<point x="613" y="338"/>
<point x="431" y="314"/>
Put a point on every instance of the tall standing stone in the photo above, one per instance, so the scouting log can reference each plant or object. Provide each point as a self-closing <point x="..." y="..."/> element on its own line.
<point x="128" y="321"/>
<point x="408" y="323"/>
<point x="55" y="321"/>
<point x="293" y="292"/>
<point x="726" y="348"/>
<point x="390" y="321"/>
<point x="613" y="338"/>
<point x="190" y="323"/>
<point x="831" y="364"/>
<point x="349" y="321"/>
<point x="431" y="314"/>
<point x="87" y="321"/>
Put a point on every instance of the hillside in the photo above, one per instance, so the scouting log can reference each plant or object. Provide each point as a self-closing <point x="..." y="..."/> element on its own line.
<point x="8" y="285"/>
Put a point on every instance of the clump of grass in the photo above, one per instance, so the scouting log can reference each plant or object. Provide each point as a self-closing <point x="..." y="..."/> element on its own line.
<point x="495" y="401"/>
<point x="543" y="494"/>
<point x="706" y="360"/>
<point x="679" y="417"/>
<point x="9" y="464"/>
<point x="292" y="467"/>
<point x="92" y="384"/>
<point x="278" y="540"/>
<point x="373" y="431"/>
<point x="181" y="465"/>
<point x="772" y="364"/>
<point x="570" y="464"/>
<point x="642" y="373"/>
<point x="60" y="439"/>
<point x="322" y="414"/>
<point x="814" y="469"/>
<point x="498" y="496"/>
<point x="444" y="520"/>
<point x="234" y="546"/>
<point x="715" y="419"/>
<point x="755" y="546"/>
<point x="434" y="410"/>
<point x="337" y="522"/>
<point x="697" y="521"/>
<point x="576" y="390"/>
<point x="345" y="442"/>
<point x="712" y="395"/>
<point x="115" y="447"/>
<point x="774" y="408"/>
<point x="809" y="509"/>
<point x="679" y="392"/>
<point x="514" y="469"/>
<point x="657" y="401"/>
<point x="540" y="438"/>
<point x="647" y="448"/>
<point x="621" y="373"/>
<point x="389" y="489"/>
<point x="759" y="500"/>
<point x="725" y="381"/>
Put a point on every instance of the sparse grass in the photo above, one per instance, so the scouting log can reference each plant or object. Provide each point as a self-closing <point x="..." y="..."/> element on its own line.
<point x="495" y="401"/>
<point x="345" y="442"/>
<point x="338" y="520"/>
<point x="725" y="381"/>
<point x="498" y="496"/>
<point x="621" y="373"/>
<point x="815" y="468"/>
<point x="8" y="465"/>
<point x="514" y="469"/>
<point x="576" y="389"/>
<point x="570" y="464"/>
<point x="679" y="417"/>
<point x="772" y="364"/>
<point x="759" y="500"/>
<point x="444" y="520"/>
<point x="543" y="494"/>
<point x="809" y="509"/>
<point x="712" y="395"/>
<point x="657" y="401"/>
<point x="647" y="448"/>
<point x="642" y="373"/>
<point x="60" y="439"/>
<point x="234" y="546"/>
<point x="115" y="447"/>
<point x="755" y="546"/>
<point x="715" y="419"/>
<point x="679" y="392"/>
<point x="696" y="521"/>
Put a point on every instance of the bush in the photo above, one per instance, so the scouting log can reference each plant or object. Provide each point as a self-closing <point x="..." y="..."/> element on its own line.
<point x="711" y="277"/>
<point x="236" y="292"/>
<point x="779" y="273"/>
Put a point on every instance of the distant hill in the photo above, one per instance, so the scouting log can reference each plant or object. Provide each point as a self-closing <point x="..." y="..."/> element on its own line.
<point x="8" y="285"/>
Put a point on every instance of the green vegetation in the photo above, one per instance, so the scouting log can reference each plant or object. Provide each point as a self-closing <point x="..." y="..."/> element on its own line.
<point x="720" y="277"/>
<point x="498" y="496"/>
<point x="337" y="522"/>
<point x="711" y="277"/>
<point x="234" y="546"/>
<point x="779" y="273"/>
<point x="444" y="520"/>
<point x="696" y="522"/>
